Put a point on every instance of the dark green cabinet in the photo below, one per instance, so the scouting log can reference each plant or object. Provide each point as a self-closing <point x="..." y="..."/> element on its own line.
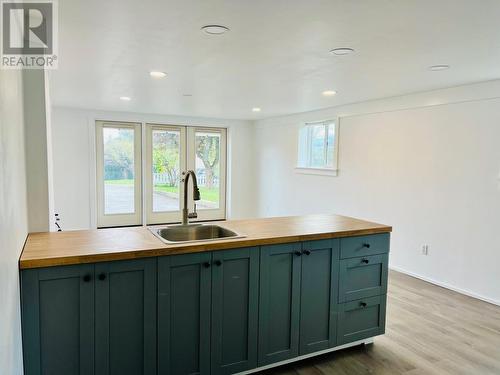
<point x="58" y="320"/>
<point x="184" y="295"/>
<point x="235" y="288"/>
<point x="90" y="319"/>
<point x="361" y="319"/>
<point x="207" y="310"/>
<point x="298" y="294"/>
<point x="318" y="296"/>
<point x="363" y="277"/>
<point x="279" y="309"/>
<point x="207" y="313"/>
<point x="125" y="318"/>
<point x="358" y="246"/>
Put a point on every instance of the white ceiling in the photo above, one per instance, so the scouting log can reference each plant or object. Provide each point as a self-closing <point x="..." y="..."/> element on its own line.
<point x="275" y="55"/>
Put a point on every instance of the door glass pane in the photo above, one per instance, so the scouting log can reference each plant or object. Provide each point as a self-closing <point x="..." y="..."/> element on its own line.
<point x="208" y="149"/>
<point x="166" y="169"/>
<point x="330" y="151"/>
<point x="318" y="146"/>
<point x="118" y="170"/>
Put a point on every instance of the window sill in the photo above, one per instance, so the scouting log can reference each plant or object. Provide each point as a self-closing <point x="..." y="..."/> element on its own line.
<point x="317" y="171"/>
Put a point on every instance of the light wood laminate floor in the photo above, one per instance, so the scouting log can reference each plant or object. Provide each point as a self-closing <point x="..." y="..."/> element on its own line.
<point x="430" y="330"/>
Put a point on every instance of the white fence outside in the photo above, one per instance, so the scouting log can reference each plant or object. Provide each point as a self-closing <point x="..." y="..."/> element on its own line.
<point x="162" y="178"/>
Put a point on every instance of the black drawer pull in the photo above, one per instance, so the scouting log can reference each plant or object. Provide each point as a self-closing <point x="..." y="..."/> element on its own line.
<point x="365" y="261"/>
<point x="87" y="278"/>
<point x="102" y="276"/>
<point x="206" y="264"/>
<point x="362" y="304"/>
<point x="307" y="252"/>
<point x="367" y="245"/>
<point x="298" y="253"/>
<point x="218" y="262"/>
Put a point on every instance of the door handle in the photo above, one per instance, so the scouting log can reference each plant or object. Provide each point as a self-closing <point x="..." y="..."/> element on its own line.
<point x="307" y="252"/>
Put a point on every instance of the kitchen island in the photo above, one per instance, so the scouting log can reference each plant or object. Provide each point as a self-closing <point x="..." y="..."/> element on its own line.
<point x="120" y="301"/>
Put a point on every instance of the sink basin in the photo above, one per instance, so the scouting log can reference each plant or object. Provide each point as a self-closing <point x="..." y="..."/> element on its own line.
<point x="193" y="233"/>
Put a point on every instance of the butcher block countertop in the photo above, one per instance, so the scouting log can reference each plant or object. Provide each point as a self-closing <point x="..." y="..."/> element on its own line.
<point x="89" y="246"/>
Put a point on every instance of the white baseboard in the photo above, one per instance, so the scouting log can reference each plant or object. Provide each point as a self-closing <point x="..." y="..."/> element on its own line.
<point x="447" y="286"/>
<point x="262" y="368"/>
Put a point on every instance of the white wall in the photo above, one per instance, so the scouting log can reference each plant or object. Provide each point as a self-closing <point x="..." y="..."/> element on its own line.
<point x="73" y="163"/>
<point x="430" y="169"/>
<point x="13" y="218"/>
<point x="38" y="155"/>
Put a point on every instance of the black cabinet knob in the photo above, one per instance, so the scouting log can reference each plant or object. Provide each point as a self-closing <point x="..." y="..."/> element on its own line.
<point x="298" y="253"/>
<point x="87" y="278"/>
<point x="206" y="264"/>
<point x="367" y="245"/>
<point x="362" y="304"/>
<point x="218" y="262"/>
<point x="102" y="276"/>
<point x="307" y="252"/>
<point x="366" y="261"/>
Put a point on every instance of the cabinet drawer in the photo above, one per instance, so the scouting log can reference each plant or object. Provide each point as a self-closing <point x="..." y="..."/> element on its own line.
<point x="361" y="319"/>
<point x="351" y="247"/>
<point x="362" y="277"/>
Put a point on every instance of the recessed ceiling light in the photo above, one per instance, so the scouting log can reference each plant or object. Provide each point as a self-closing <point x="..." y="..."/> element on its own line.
<point x="329" y="93"/>
<point x="215" y="29"/>
<point x="157" y="74"/>
<point x="437" y="68"/>
<point x="125" y="98"/>
<point x="187" y="95"/>
<point x="256" y="109"/>
<point x="341" y="51"/>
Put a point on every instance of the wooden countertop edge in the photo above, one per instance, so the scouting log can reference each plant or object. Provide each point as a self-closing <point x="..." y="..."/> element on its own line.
<point x="191" y="248"/>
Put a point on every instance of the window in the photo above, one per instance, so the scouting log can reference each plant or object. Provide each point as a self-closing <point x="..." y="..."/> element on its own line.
<point x="169" y="150"/>
<point x="318" y="144"/>
<point x="118" y="174"/>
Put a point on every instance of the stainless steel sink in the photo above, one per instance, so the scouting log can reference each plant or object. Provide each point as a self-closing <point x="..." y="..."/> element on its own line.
<point x="193" y="233"/>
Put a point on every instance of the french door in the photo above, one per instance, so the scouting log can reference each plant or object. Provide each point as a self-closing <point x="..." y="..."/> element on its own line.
<point x="167" y="151"/>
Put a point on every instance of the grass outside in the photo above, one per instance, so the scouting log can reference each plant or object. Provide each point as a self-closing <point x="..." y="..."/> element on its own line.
<point x="211" y="195"/>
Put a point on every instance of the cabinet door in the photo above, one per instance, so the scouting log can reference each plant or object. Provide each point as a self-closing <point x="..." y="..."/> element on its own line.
<point x="320" y="273"/>
<point x="235" y="286"/>
<point x="363" y="277"/>
<point x="58" y="320"/>
<point x="279" y="302"/>
<point x="126" y="317"/>
<point x="184" y="289"/>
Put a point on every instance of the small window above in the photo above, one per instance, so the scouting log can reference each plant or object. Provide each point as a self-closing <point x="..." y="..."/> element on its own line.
<point x="318" y="143"/>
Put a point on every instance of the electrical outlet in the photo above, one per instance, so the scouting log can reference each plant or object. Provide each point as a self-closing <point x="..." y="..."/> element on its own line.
<point x="425" y="249"/>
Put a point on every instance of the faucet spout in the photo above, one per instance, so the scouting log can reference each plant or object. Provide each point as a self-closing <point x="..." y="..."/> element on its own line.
<point x="196" y="196"/>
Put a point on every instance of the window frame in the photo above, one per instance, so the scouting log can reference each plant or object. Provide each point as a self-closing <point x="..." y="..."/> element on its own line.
<point x="323" y="170"/>
<point x="117" y="220"/>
